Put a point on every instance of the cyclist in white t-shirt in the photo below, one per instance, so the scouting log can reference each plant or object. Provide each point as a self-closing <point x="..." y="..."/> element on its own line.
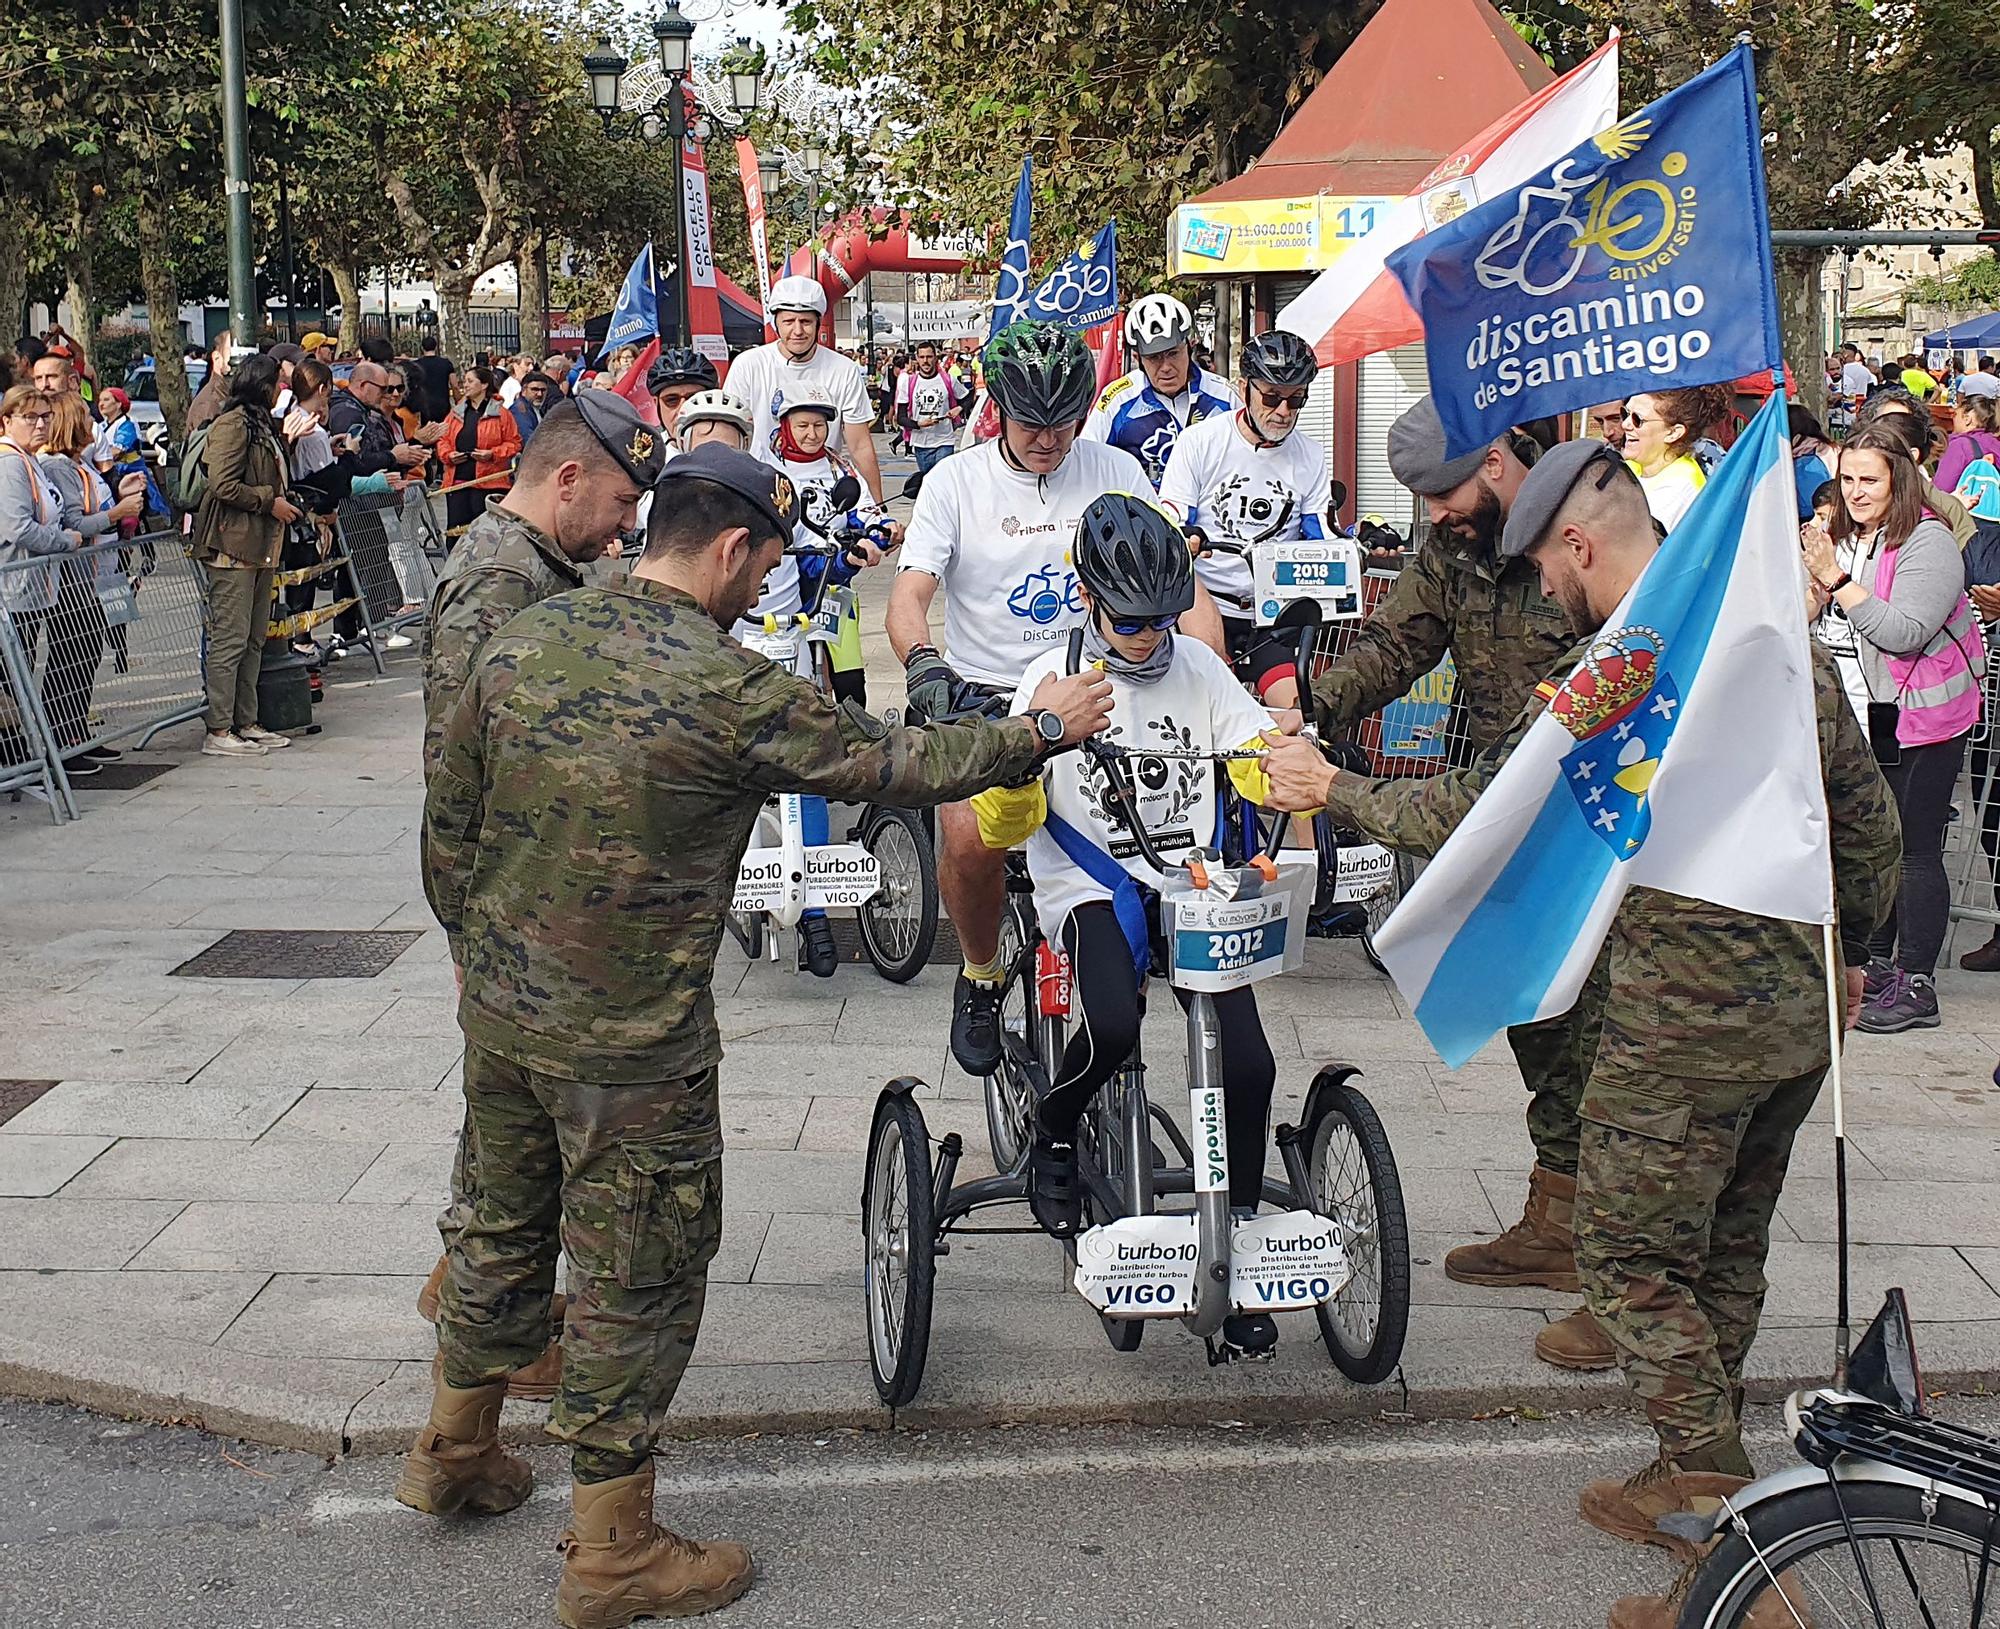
<point x="762" y="375"/>
<point x="1092" y="884"/>
<point x="994" y="525"/>
<point x="1245" y="478"/>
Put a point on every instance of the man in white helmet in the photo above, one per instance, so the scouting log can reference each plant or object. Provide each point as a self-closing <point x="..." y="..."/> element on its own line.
<point x="1145" y="412"/>
<point x="764" y="373"/>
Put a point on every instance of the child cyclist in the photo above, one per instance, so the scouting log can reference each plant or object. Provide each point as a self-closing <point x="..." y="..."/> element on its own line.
<point x="1132" y="565"/>
<point x="797" y="583"/>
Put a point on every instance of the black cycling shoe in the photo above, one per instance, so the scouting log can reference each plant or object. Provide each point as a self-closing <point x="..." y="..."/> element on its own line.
<point x="1052" y="1183"/>
<point x="1249" y="1335"/>
<point x="816" y="948"/>
<point x="975" y="1026"/>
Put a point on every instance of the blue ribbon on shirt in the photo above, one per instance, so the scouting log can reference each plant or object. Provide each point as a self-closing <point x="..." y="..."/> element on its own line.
<point x="1128" y="899"/>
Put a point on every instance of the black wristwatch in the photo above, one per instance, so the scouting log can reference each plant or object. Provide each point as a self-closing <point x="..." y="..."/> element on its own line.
<point x="1048" y="727"/>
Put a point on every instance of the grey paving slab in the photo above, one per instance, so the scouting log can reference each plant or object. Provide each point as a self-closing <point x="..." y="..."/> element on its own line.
<point x="294" y="1238"/>
<point x="418" y="1015"/>
<point x="755" y="1323"/>
<point x="342" y="1315"/>
<point x="401" y="1174"/>
<point x="346" y="1060"/>
<point x="91" y="1234"/>
<point x="828" y="1251"/>
<point x="755" y="1120"/>
<point x="1941" y="1283"/>
<point x="113" y="1108"/>
<point x="139" y="945"/>
<point x="1947" y="1213"/>
<point x="813" y="1069"/>
<point x="1914" y="1153"/>
<point x="121" y="1305"/>
<point x="29" y="1011"/>
<point x="33" y="1167"/>
<point x="374" y="1117"/>
<point x="1494" y="1142"/>
<point x="76" y="1051"/>
<point x="770" y="1180"/>
<point x="742" y="1241"/>
<point x="197" y="1168"/>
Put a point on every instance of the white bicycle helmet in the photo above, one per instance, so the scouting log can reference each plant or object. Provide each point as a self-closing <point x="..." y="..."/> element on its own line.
<point x="809" y="397"/>
<point x="720" y="406"/>
<point x="798" y="294"/>
<point x="1157" y="323"/>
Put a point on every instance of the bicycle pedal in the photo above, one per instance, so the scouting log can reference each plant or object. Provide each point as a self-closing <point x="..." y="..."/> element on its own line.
<point x="1224" y="1351"/>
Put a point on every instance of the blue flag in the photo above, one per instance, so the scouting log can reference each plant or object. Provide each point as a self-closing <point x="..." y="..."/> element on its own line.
<point x="636" y="317"/>
<point x="1010" y="287"/>
<point x="1083" y="291"/>
<point x="1640" y="260"/>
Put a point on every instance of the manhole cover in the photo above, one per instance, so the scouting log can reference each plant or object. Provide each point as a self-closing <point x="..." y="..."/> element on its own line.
<point x="262" y="953"/>
<point x="16" y="1095"/>
<point x="125" y="776"/>
<point x="847" y="939"/>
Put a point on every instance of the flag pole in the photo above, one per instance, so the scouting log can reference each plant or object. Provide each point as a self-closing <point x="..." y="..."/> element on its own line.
<point x="1836" y="1034"/>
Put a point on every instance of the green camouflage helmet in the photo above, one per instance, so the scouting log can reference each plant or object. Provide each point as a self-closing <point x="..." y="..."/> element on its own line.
<point x="1039" y="374"/>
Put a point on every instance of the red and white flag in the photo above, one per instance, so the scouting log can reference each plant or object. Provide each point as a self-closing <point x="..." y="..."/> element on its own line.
<point x="1356" y="307"/>
<point x="632" y="382"/>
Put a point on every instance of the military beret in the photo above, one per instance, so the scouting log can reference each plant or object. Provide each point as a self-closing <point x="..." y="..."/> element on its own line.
<point x="769" y="491"/>
<point x="1416" y="453"/>
<point x="1545" y="487"/>
<point x="638" y="447"/>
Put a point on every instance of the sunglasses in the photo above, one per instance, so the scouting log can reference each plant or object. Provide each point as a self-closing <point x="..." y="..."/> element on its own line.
<point x="1631" y="417"/>
<point x="1128" y="626"/>
<point x="1294" y="399"/>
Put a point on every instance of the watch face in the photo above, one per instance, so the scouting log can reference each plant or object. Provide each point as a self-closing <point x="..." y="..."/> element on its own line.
<point x="1050" y="726"/>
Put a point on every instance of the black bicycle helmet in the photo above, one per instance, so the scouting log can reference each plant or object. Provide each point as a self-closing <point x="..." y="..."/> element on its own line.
<point x="681" y="365"/>
<point x="1132" y="558"/>
<point x="1040" y="375"/>
<point x="1280" y="358"/>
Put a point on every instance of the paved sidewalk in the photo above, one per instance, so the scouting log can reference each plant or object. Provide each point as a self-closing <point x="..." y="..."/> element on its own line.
<point x="223" y="1210"/>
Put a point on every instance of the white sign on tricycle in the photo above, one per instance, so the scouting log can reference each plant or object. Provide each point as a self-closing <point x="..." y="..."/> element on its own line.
<point x="1286" y="1261"/>
<point x="1365" y="870"/>
<point x="839" y="874"/>
<point x="1139" y="1266"/>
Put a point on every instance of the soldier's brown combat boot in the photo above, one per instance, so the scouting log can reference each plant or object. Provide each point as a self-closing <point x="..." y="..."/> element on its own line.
<point x="617" y="1565"/>
<point x="1538" y="1249"/>
<point x="458" y="1463"/>
<point x="1576" y="1342"/>
<point x="1631" y="1509"/>
<point x="540" y="1380"/>
<point x="1771" y="1610"/>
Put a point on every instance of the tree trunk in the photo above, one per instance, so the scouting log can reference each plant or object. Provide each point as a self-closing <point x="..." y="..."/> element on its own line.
<point x="79" y="263"/>
<point x="531" y="269"/>
<point x="163" y="309"/>
<point x="347" y="290"/>
<point x="455" y="312"/>
<point x="1985" y="145"/>
<point x="1801" y="325"/>
<point x="16" y="221"/>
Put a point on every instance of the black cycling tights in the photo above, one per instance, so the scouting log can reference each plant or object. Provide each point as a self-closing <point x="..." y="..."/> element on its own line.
<point x="1105" y="1009"/>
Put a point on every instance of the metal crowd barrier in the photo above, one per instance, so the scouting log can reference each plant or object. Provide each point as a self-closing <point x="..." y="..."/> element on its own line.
<point x="102" y="644"/>
<point x="388" y="536"/>
<point x="1972" y="838"/>
<point x="1423" y="731"/>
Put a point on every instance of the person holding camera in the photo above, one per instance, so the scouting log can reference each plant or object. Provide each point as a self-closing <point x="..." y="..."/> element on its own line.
<point x="1890" y="587"/>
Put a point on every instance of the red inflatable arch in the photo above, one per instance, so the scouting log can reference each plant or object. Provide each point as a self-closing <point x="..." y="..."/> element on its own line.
<point x="856" y="245"/>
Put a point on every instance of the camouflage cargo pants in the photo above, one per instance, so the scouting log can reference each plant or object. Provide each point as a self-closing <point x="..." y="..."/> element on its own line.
<point x="628" y="1179"/>
<point x="1676" y="1187"/>
<point x="1555" y="1058"/>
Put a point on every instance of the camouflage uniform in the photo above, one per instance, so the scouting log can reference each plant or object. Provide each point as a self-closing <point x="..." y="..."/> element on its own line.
<point x="501" y="565"/>
<point x="1503" y="635"/>
<point x="1714" y="1045"/>
<point x="598" y="783"/>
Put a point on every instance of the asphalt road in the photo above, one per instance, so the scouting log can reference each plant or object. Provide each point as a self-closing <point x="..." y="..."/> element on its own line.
<point x="1469" y="1526"/>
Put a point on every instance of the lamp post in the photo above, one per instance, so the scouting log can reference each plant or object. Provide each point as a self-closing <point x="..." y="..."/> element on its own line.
<point x="667" y="119"/>
<point x="236" y="176"/>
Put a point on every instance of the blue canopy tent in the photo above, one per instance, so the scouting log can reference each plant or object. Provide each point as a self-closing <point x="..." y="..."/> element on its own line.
<point x="1973" y="334"/>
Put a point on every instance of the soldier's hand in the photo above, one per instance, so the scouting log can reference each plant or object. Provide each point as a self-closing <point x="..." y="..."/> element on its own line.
<point x="1857" y="978"/>
<point x="1299" y="777"/>
<point x="1081" y="700"/>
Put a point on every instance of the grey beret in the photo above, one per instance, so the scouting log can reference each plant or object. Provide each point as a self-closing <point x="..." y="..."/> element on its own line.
<point x="1548" y="484"/>
<point x="1416" y="453"/>
<point x="638" y="447"/>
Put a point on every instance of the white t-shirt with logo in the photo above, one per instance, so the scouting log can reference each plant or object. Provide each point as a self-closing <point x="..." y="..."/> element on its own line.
<point x="999" y="541"/>
<point x="763" y="374"/>
<point x="932" y="398"/>
<point x="1196" y="706"/>
<point x="1243" y="494"/>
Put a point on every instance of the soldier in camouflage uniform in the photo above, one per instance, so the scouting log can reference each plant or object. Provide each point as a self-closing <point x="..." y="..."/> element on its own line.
<point x="574" y="492"/>
<point x="1713" y="1048"/>
<point x="598" y="784"/>
<point x="1460" y="597"/>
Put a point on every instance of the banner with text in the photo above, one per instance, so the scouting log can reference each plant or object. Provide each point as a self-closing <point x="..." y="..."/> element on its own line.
<point x="698" y="234"/>
<point x="1641" y="260"/>
<point x="753" y="206"/>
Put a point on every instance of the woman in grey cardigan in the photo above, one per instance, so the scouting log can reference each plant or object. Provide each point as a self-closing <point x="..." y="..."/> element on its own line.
<point x="1894" y="596"/>
<point x="32" y="536"/>
<point x="77" y="629"/>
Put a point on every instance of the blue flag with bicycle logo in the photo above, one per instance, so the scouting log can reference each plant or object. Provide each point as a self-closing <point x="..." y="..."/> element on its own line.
<point x="1083" y="291"/>
<point x="1640" y="260"/>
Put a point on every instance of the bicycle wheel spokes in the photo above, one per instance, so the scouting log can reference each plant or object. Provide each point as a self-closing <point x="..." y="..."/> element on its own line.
<point x="890" y="1247"/>
<point x="1345" y="1194"/>
<point x="1882" y="1581"/>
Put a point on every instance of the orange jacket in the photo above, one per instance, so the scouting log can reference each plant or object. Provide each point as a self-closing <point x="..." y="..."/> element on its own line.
<point x="498" y="434"/>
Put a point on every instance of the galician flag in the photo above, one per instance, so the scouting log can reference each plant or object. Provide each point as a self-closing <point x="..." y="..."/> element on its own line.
<point x="1355" y="307"/>
<point x="1682" y="754"/>
<point x="1010" y="286"/>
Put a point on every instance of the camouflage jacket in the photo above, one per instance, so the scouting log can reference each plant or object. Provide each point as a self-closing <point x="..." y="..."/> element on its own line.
<point x="1502" y="635"/>
<point x="598" y="784"/>
<point x="502" y="565"/>
<point x="1696" y="989"/>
